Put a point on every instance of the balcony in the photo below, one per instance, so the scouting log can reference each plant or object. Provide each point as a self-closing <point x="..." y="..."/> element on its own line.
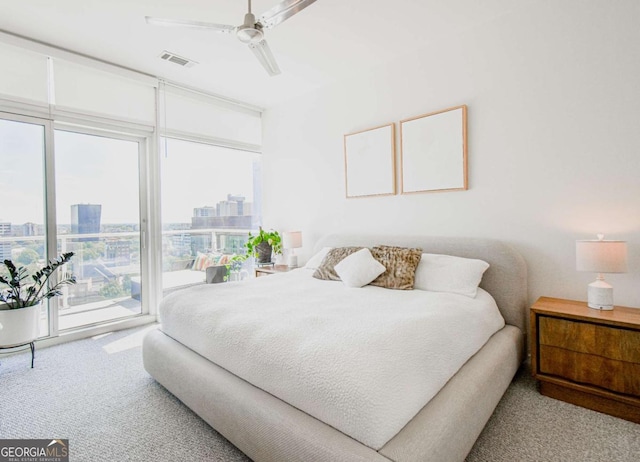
<point x="107" y="267"/>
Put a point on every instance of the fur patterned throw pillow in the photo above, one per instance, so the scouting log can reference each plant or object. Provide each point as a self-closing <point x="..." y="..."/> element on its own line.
<point x="400" y="263"/>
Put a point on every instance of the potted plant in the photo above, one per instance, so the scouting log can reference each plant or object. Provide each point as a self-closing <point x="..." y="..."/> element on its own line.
<point x="263" y="244"/>
<point x="20" y="299"/>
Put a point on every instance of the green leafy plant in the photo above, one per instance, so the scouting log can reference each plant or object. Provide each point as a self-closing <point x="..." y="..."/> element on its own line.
<point x="24" y="289"/>
<point x="272" y="238"/>
<point x="234" y="264"/>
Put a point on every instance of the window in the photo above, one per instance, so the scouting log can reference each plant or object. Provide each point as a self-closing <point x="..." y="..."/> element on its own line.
<point x="98" y="218"/>
<point x="90" y="186"/>
<point x="211" y="199"/>
<point x="22" y="209"/>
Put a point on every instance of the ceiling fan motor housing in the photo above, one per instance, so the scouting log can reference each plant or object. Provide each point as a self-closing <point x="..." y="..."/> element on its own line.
<point x="250" y="31"/>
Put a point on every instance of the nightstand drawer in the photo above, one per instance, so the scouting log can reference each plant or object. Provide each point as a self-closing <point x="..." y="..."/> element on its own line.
<point x="584" y="337"/>
<point x="591" y="369"/>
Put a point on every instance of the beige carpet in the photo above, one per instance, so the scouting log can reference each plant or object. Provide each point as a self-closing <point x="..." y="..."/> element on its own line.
<point x="96" y="393"/>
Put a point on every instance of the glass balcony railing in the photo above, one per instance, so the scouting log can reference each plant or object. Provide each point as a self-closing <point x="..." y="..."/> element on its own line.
<point x="107" y="267"/>
<point x="104" y="265"/>
<point x="181" y="249"/>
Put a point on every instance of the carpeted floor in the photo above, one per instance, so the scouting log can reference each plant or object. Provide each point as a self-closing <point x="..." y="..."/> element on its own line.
<point x="96" y="393"/>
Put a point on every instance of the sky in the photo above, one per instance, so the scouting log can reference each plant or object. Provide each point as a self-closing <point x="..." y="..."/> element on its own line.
<point x="97" y="170"/>
<point x="198" y="175"/>
<point x="21" y="172"/>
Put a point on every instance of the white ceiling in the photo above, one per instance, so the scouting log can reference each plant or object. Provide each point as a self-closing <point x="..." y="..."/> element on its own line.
<point x="328" y="41"/>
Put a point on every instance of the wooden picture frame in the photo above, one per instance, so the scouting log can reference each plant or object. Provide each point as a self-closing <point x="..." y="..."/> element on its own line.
<point x="370" y="162"/>
<point x="433" y="151"/>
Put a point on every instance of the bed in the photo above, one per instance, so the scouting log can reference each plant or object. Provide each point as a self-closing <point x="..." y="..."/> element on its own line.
<point x="289" y="409"/>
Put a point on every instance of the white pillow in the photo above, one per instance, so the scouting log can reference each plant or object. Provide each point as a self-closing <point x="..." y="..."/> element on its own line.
<point x="446" y="273"/>
<point x="359" y="269"/>
<point x="315" y="261"/>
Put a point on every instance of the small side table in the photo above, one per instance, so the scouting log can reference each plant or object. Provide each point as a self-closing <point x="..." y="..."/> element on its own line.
<point x="271" y="269"/>
<point x="587" y="357"/>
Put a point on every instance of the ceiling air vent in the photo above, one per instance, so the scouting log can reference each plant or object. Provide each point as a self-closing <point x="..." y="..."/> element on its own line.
<point x="179" y="60"/>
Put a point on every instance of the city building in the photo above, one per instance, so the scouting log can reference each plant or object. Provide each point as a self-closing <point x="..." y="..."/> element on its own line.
<point x="30" y="229"/>
<point x="117" y="251"/>
<point x="206" y="211"/>
<point x="85" y="219"/>
<point x="5" y="247"/>
<point x="232" y="213"/>
<point x="180" y="243"/>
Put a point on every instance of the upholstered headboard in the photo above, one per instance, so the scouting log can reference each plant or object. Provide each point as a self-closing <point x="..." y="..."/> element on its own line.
<point x="505" y="280"/>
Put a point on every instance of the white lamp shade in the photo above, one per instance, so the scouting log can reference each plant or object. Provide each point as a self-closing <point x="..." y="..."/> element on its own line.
<point x="292" y="240"/>
<point x="601" y="256"/>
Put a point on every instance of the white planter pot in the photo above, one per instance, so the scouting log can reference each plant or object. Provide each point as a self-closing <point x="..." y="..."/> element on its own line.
<point x="19" y="326"/>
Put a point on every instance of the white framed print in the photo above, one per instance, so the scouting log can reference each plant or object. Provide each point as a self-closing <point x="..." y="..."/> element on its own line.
<point x="433" y="151"/>
<point x="369" y="162"/>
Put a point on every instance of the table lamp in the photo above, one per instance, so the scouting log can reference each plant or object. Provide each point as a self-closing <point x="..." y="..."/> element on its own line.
<point x="600" y="256"/>
<point x="292" y="240"/>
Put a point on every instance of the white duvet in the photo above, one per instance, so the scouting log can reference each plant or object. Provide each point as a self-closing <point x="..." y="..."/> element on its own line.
<point x="364" y="361"/>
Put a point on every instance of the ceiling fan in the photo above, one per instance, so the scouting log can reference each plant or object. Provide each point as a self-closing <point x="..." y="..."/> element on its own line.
<point x="250" y="31"/>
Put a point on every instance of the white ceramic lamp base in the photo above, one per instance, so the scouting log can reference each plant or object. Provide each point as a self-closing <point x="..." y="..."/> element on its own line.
<point x="600" y="295"/>
<point x="293" y="261"/>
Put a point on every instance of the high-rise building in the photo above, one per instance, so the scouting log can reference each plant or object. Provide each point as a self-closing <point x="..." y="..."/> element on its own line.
<point x="85" y="219"/>
<point x="227" y="209"/>
<point x="233" y="213"/>
<point x="247" y="209"/>
<point x="5" y="247"/>
<point x="239" y="201"/>
<point x="206" y="211"/>
<point x="29" y="229"/>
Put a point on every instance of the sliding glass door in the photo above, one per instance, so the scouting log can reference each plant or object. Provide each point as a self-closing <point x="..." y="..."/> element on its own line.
<point x="23" y="230"/>
<point x="98" y="218"/>
<point x="84" y="198"/>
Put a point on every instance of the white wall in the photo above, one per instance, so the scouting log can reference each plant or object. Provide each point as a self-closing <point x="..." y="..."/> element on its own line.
<point x="553" y="93"/>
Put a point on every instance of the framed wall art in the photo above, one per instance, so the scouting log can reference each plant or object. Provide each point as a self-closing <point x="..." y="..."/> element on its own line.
<point x="369" y="162"/>
<point x="433" y="151"/>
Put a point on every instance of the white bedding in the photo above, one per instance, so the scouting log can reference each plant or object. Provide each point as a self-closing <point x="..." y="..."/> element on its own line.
<point x="364" y="361"/>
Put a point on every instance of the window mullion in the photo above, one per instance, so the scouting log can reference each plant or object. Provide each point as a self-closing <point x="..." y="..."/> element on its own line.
<point x="50" y="216"/>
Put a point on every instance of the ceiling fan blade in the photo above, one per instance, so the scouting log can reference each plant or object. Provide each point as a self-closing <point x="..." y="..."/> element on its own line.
<point x="222" y="28"/>
<point x="283" y="11"/>
<point x="264" y="55"/>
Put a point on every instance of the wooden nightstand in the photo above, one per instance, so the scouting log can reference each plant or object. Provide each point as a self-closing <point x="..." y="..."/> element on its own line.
<point x="587" y="357"/>
<point x="271" y="269"/>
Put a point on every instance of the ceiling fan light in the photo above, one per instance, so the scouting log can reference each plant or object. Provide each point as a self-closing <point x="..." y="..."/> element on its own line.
<point x="249" y="34"/>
